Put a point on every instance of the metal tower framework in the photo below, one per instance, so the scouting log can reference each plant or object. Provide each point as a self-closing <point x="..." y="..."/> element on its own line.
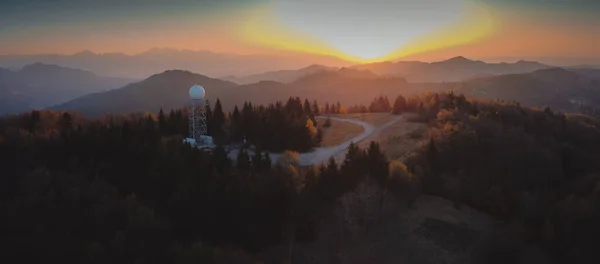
<point x="197" y="122"/>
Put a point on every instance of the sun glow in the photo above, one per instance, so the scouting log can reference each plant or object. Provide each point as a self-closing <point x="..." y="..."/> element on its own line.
<point x="356" y="38"/>
<point x="477" y="24"/>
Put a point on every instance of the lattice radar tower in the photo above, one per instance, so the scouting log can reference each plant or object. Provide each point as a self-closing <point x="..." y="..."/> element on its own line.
<point x="197" y="123"/>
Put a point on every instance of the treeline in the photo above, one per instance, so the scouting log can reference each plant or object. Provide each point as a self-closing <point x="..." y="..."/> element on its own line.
<point x="116" y="191"/>
<point x="275" y="127"/>
<point x="533" y="168"/>
<point x="336" y="108"/>
<point x="536" y="170"/>
<point x="381" y="104"/>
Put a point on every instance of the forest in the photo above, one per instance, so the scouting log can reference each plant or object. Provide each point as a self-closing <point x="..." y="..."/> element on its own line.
<point x="125" y="189"/>
<point x="535" y="170"/>
<point x="275" y="127"/>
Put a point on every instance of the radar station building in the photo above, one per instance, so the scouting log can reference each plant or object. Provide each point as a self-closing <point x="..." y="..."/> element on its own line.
<point x="198" y="130"/>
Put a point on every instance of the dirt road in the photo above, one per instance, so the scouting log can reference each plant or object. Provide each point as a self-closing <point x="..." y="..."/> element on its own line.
<point x="321" y="155"/>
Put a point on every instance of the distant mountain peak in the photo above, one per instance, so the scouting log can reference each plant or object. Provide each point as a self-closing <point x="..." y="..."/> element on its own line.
<point x="314" y="67"/>
<point x="554" y="71"/>
<point x="171" y="74"/>
<point x="459" y="59"/>
<point x="38" y="66"/>
<point x="528" y="62"/>
<point x="85" y="53"/>
<point x="159" y="50"/>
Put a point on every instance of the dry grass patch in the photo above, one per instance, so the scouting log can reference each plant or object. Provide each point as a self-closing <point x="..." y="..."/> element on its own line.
<point x="399" y="139"/>
<point x="339" y="132"/>
<point x="375" y="119"/>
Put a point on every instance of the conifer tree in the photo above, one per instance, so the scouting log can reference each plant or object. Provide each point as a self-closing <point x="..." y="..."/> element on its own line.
<point x="399" y="105"/>
<point x="243" y="160"/>
<point x="162" y="123"/>
<point x="307" y="109"/>
<point x="315" y="108"/>
<point x="218" y="121"/>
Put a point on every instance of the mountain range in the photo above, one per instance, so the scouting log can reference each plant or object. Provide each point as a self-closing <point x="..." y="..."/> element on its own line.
<point x="41" y="85"/>
<point x="280" y="67"/>
<point x="142" y="65"/>
<point x="283" y="76"/>
<point x="169" y="90"/>
<point x="560" y="89"/>
<point x="452" y="70"/>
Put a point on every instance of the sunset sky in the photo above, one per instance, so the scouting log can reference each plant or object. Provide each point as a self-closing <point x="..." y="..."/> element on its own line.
<point x="559" y="31"/>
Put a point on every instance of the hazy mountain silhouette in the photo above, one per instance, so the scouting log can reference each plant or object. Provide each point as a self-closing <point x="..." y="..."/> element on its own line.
<point x="11" y="102"/>
<point x="41" y="85"/>
<point x="167" y="90"/>
<point x="589" y="72"/>
<point x="454" y="69"/>
<point x="158" y="60"/>
<point x="560" y="89"/>
<point x="283" y="76"/>
<point x="4" y="72"/>
<point x="170" y="90"/>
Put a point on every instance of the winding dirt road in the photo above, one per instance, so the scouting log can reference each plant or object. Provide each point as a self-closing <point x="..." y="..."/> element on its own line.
<point x="321" y="155"/>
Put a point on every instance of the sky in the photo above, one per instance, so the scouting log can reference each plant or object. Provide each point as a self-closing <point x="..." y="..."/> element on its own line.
<point x="559" y="31"/>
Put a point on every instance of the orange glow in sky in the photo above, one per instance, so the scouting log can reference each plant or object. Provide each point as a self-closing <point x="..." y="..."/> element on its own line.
<point x="354" y="30"/>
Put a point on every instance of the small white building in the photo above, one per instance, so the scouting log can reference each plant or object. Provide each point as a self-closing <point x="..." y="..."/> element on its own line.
<point x="207" y="142"/>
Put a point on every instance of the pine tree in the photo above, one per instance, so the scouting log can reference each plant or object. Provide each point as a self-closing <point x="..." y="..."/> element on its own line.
<point x="236" y="125"/>
<point x="162" y="123"/>
<point x="66" y="121"/>
<point x="399" y="105"/>
<point x="431" y="153"/>
<point x="352" y="155"/>
<point x="316" y="110"/>
<point x="332" y="180"/>
<point x="377" y="163"/>
<point x="307" y="109"/>
<point x="210" y="122"/>
<point x="310" y="179"/>
<point x="34" y="121"/>
<point x="257" y="161"/>
<point x="218" y="121"/>
<point x="243" y="160"/>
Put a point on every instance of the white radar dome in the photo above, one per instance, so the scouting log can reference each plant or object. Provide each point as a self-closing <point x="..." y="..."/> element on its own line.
<point x="197" y="92"/>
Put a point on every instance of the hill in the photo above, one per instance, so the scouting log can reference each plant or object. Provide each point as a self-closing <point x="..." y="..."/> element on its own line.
<point x="142" y="65"/>
<point x="41" y="85"/>
<point x="589" y="72"/>
<point x="520" y="186"/>
<point x="170" y="90"/>
<point x="11" y="103"/>
<point x="167" y="90"/>
<point x="560" y="89"/>
<point x="533" y="169"/>
<point x="452" y="70"/>
<point x="283" y="76"/>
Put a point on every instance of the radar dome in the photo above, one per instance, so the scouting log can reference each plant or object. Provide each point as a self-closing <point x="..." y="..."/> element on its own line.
<point x="197" y="92"/>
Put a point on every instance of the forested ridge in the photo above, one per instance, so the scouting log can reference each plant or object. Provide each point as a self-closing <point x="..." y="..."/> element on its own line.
<point x="275" y="127"/>
<point x="536" y="170"/>
<point x="125" y="189"/>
